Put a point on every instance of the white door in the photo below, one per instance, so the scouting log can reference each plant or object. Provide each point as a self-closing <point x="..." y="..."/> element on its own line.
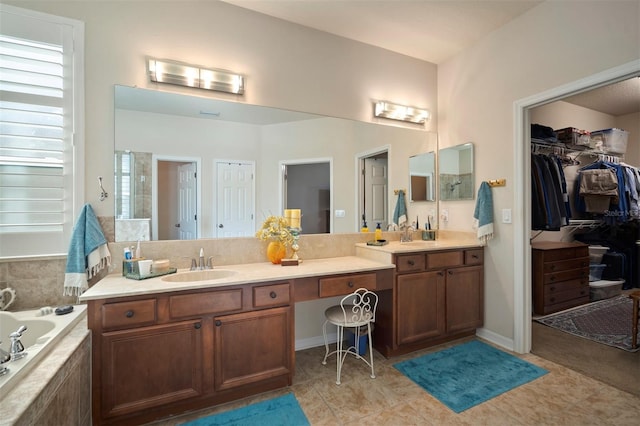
<point x="235" y="199"/>
<point x="187" y="218"/>
<point x="375" y="192"/>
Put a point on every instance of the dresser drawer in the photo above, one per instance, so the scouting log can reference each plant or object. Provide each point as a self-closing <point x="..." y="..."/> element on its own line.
<point x="563" y="265"/>
<point x="129" y="314"/>
<point x="346" y="284"/>
<point x="555" y="277"/>
<point x="211" y="302"/>
<point x="445" y="259"/>
<point x="271" y="295"/>
<point x="474" y="257"/>
<point x="410" y="263"/>
<point x="561" y="296"/>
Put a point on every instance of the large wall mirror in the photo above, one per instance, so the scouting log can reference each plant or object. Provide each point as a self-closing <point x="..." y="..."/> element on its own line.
<point x="455" y="169"/>
<point x="195" y="167"/>
<point x="422" y="177"/>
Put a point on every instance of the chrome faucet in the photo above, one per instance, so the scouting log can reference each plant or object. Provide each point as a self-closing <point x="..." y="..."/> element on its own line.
<point x="200" y="265"/>
<point x="17" y="348"/>
<point x="407" y="234"/>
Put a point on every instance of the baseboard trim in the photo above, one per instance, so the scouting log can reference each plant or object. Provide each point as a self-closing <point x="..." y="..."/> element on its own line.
<point x="495" y="338"/>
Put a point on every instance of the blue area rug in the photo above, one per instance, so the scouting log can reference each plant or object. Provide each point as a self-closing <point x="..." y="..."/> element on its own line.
<point x="468" y="374"/>
<point x="280" y="411"/>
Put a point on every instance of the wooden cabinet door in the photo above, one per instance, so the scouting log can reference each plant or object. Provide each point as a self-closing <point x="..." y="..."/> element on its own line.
<point x="465" y="298"/>
<point x="420" y="306"/>
<point x="151" y="366"/>
<point x="252" y="346"/>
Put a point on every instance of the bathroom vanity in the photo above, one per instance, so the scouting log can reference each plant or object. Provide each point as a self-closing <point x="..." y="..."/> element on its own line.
<point x="438" y="294"/>
<point x="210" y="341"/>
<point x="163" y="347"/>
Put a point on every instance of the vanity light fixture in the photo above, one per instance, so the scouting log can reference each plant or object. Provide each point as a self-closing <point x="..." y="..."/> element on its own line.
<point x="162" y="71"/>
<point x="393" y="111"/>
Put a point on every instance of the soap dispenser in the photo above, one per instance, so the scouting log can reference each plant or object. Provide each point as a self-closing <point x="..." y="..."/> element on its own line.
<point x="378" y="232"/>
<point x="364" y="225"/>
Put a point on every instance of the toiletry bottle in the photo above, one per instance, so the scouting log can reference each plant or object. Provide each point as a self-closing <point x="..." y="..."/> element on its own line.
<point x="138" y="253"/>
<point x="364" y="227"/>
<point x="378" y="232"/>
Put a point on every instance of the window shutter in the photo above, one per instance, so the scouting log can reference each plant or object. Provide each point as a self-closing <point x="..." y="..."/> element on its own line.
<point x="36" y="136"/>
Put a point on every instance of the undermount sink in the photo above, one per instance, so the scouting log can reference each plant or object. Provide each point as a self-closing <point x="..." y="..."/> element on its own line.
<point x="204" y="275"/>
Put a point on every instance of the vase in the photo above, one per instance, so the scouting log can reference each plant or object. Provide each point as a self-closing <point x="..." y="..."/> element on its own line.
<point x="276" y="251"/>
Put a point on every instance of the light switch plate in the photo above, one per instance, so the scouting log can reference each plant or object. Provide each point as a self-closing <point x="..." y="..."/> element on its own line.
<point x="340" y="213"/>
<point x="506" y="215"/>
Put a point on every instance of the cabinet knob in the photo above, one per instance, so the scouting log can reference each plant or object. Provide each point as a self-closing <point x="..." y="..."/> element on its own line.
<point x="553" y="267"/>
<point x="474" y="256"/>
<point x="552" y="277"/>
<point x="552" y="288"/>
<point x="197" y="326"/>
<point x="129" y="314"/>
<point x="411" y="262"/>
<point x="450" y="272"/>
<point x="440" y="273"/>
<point x="350" y="284"/>
<point x="553" y="299"/>
<point x="218" y="323"/>
<point x="273" y="295"/>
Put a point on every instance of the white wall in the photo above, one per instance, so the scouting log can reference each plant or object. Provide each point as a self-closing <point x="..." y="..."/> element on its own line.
<point x="286" y="65"/>
<point x="553" y="44"/>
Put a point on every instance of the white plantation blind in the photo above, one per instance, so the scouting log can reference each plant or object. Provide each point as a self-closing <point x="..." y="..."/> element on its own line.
<point x="38" y="175"/>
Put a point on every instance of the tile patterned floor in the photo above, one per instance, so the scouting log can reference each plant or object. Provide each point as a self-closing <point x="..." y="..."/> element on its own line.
<point x="562" y="397"/>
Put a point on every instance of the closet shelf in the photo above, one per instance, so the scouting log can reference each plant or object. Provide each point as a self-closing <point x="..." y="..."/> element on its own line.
<point x="603" y="156"/>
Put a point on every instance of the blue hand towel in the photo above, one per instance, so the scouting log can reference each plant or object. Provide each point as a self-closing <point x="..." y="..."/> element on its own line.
<point x="483" y="214"/>
<point x="88" y="253"/>
<point x="400" y="213"/>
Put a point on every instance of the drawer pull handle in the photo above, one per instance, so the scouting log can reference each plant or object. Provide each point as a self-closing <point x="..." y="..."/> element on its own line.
<point x="411" y="262"/>
<point x="552" y="288"/>
<point x="450" y="272"/>
<point x="197" y="326"/>
<point x="440" y="273"/>
<point x="474" y="256"/>
<point x="552" y="278"/>
<point x="350" y="284"/>
<point x="553" y="299"/>
<point x="273" y="295"/>
<point x="553" y="267"/>
<point x="129" y="314"/>
<point x="218" y="323"/>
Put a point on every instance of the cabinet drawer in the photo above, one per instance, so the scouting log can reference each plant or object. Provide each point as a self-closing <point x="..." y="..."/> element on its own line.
<point x="551" y="289"/>
<point x="474" y="257"/>
<point x="347" y="284"/>
<point x="212" y="302"/>
<point x="555" y="277"/>
<point x="129" y="314"/>
<point x="410" y="263"/>
<point x="563" y="265"/>
<point x="566" y="253"/>
<point x="566" y="294"/>
<point x="445" y="259"/>
<point x="271" y="295"/>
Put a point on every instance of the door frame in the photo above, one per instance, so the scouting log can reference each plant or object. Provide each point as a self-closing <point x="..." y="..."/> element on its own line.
<point x="155" y="159"/>
<point x="252" y="163"/>
<point x="522" y="200"/>
<point x="359" y="165"/>
<point x="282" y="165"/>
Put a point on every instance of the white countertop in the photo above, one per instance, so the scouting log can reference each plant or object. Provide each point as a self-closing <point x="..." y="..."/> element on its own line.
<point x="420" y="245"/>
<point x="115" y="285"/>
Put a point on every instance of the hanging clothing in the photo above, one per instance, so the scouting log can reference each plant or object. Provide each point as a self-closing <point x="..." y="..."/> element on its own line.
<point x="549" y="195"/>
<point x="618" y="210"/>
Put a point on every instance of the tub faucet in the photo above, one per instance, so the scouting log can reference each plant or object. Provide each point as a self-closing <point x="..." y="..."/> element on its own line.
<point x="17" y="348"/>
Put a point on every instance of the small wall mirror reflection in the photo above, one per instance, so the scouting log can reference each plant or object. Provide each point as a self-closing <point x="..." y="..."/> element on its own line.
<point x="456" y="172"/>
<point x="422" y="174"/>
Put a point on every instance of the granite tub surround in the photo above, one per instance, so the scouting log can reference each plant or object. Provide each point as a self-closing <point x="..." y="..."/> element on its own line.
<point x="58" y="390"/>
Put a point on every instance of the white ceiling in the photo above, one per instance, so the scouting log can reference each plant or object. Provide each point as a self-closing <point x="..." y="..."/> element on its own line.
<point x="431" y="30"/>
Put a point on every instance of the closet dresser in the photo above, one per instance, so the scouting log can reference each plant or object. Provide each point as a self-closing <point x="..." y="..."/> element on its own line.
<point x="560" y="276"/>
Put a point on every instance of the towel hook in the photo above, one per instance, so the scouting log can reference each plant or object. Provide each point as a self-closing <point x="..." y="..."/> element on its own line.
<point x="103" y="193"/>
